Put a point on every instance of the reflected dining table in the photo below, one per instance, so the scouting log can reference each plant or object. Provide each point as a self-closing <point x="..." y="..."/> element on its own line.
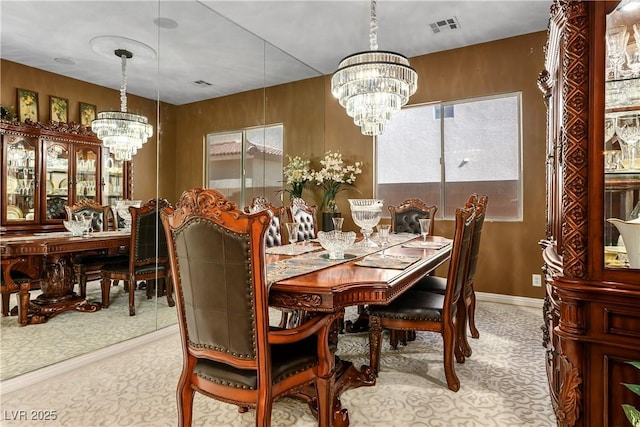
<point x="48" y="258"/>
<point x="311" y="283"/>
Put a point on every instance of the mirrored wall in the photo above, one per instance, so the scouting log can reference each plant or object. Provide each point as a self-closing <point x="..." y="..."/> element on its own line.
<point x="161" y="169"/>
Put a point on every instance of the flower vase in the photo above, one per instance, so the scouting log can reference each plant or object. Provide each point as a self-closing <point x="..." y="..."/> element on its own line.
<point x="327" y="220"/>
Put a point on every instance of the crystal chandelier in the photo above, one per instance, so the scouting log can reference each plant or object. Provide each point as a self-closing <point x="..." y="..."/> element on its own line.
<point x="373" y="85"/>
<point x="121" y="132"/>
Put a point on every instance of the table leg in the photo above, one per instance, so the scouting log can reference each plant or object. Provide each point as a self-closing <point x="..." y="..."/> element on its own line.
<point x="57" y="291"/>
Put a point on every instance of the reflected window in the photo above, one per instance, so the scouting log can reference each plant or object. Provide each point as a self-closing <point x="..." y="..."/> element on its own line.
<point x="450" y="150"/>
<point x="245" y="163"/>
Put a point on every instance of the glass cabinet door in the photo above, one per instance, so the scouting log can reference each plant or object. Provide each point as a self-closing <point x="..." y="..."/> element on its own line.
<point x="621" y="143"/>
<point x="113" y="178"/>
<point x="21" y="179"/>
<point x="86" y="173"/>
<point x="56" y="174"/>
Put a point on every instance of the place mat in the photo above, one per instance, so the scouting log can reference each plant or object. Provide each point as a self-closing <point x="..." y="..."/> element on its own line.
<point x="291" y="249"/>
<point x="397" y="262"/>
<point x="419" y="244"/>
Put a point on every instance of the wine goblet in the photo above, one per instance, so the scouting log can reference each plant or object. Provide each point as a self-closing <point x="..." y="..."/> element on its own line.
<point x="616" y="39"/>
<point x="292" y="234"/>
<point x="366" y="213"/>
<point x="425" y="224"/>
<point x="628" y="130"/>
<point x="383" y="236"/>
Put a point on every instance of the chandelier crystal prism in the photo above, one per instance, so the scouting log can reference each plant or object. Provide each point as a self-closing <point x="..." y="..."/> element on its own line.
<point x="373" y="85"/>
<point x="123" y="133"/>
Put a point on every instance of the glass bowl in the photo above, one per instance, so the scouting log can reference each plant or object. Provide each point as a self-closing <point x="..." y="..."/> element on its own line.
<point x="76" y="228"/>
<point x="335" y="242"/>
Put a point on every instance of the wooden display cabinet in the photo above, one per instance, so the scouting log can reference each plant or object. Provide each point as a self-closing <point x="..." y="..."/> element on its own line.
<point x="48" y="166"/>
<point x="591" y="317"/>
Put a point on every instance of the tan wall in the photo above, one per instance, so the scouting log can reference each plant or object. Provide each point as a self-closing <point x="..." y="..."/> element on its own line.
<point x="314" y="122"/>
<point x="15" y="76"/>
<point x="298" y="106"/>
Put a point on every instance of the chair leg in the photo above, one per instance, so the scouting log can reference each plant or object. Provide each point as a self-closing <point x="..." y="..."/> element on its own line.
<point x="82" y="281"/>
<point x="185" y="402"/>
<point x="393" y="338"/>
<point x="24" y="296"/>
<point x="264" y="408"/>
<point x="105" y="284"/>
<point x="132" y="297"/>
<point x="284" y="316"/>
<point x="472" y="315"/>
<point x="375" y="332"/>
<point x="169" y="284"/>
<point x="450" y="348"/>
<point x="5" y="304"/>
<point x="461" y="325"/>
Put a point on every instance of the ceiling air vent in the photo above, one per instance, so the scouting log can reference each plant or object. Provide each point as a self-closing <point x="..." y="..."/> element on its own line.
<point x="201" y="83"/>
<point x="444" y="25"/>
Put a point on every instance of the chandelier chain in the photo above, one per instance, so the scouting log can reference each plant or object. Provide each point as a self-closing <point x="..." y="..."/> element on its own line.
<point x="123" y="85"/>
<point x="373" y="34"/>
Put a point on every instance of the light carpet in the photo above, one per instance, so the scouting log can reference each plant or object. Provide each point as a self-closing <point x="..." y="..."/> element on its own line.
<point x="502" y="384"/>
<point x="73" y="333"/>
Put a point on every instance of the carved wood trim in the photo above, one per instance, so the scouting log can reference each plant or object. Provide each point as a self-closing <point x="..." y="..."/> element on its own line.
<point x="575" y="91"/>
<point x="570" y="396"/>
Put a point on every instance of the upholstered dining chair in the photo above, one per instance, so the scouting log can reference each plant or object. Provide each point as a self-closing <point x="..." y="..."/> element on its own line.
<point x="404" y="217"/>
<point x="12" y="282"/>
<point x="427" y="311"/>
<point x="307" y="216"/>
<point x="148" y="257"/>
<point x="87" y="265"/>
<point x="273" y="237"/>
<point x="467" y="308"/>
<point x="274" y="232"/>
<point x="230" y="353"/>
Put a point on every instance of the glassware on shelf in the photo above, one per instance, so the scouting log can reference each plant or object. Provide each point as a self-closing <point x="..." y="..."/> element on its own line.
<point x="617" y="38"/>
<point x="632" y="53"/>
<point x="366" y="213"/>
<point x="628" y="131"/>
<point x="609" y="129"/>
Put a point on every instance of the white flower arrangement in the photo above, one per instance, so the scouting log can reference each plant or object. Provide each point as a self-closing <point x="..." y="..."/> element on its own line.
<point x="334" y="177"/>
<point x="297" y="173"/>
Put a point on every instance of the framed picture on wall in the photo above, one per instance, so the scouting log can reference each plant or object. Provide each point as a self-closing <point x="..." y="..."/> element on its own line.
<point x="87" y="113"/>
<point x="58" y="109"/>
<point x="27" y="105"/>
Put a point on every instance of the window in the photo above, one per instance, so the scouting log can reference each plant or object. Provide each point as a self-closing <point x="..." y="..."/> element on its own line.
<point x="245" y="163"/>
<point x="474" y="148"/>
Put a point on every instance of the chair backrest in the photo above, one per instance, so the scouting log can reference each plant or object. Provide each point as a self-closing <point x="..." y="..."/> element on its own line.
<point x="456" y="276"/>
<point x="274" y="233"/>
<point x="306" y="216"/>
<point x="148" y="240"/>
<point x="217" y="261"/>
<point x="99" y="214"/>
<point x="404" y="217"/>
<point x="480" y="205"/>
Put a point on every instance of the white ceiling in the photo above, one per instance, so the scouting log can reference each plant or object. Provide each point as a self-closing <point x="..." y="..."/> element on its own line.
<point x="223" y="42"/>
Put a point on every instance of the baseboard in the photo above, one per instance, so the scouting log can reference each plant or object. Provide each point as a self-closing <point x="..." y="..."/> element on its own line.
<point x="510" y="299"/>
<point x="34" y="377"/>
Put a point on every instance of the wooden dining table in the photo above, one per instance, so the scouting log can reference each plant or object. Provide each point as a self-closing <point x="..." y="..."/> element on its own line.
<point x="48" y="259"/>
<point x="334" y="287"/>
